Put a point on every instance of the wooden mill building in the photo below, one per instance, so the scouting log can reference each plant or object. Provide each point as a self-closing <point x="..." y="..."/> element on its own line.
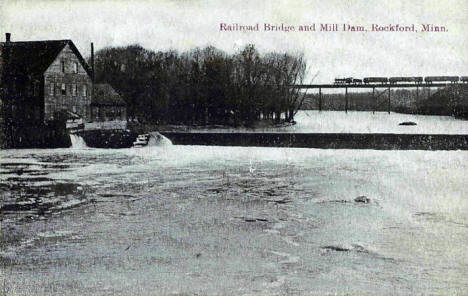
<point x="43" y="84"/>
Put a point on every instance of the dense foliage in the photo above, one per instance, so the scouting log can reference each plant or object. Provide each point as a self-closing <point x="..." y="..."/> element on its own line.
<point x="203" y="86"/>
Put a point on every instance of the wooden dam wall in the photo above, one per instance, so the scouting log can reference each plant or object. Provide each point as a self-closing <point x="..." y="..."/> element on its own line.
<point x="324" y="140"/>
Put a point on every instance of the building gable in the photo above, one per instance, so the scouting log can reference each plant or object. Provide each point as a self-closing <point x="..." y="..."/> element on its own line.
<point x="67" y="59"/>
<point x="67" y="84"/>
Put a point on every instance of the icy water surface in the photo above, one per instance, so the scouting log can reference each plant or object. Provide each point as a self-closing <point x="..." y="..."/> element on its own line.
<point x="233" y="220"/>
<point x="311" y="121"/>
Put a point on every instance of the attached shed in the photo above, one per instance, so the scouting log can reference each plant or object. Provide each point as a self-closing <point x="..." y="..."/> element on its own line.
<point x="108" y="108"/>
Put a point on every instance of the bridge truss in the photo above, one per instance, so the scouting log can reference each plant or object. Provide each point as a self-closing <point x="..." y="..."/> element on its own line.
<point x="375" y="89"/>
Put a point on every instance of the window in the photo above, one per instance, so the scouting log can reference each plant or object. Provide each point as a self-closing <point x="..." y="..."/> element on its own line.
<point x="51" y="89"/>
<point x="62" y="65"/>
<point x="74" y="90"/>
<point x="75" y="67"/>
<point x="64" y="89"/>
<point x="85" y="90"/>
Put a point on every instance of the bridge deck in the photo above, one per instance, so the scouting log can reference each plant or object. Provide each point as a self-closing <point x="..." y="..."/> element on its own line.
<point x="378" y="85"/>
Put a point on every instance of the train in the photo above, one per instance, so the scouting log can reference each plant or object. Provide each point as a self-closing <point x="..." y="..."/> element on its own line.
<point x="349" y="80"/>
<point x="431" y="79"/>
<point x="382" y="80"/>
<point x="395" y="80"/>
<point x="405" y="79"/>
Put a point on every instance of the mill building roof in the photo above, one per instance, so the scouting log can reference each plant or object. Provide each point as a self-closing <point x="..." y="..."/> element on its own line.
<point x="34" y="57"/>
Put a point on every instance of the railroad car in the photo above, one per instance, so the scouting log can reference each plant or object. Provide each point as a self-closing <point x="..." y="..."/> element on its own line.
<point x="375" y="80"/>
<point x="430" y="79"/>
<point x="405" y="79"/>
<point x="349" y="80"/>
<point x="340" y="80"/>
<point x="464" y="79"/>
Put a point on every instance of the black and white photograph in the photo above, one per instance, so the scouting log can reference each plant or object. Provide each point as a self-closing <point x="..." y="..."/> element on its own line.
<point x="233" y="147"/>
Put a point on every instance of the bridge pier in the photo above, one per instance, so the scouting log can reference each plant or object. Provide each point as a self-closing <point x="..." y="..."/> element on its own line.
<point x="374" y="103"/>
<point x="389" y="100"/>
<point x="320" y="99"/>
<point x="346" y="100"/>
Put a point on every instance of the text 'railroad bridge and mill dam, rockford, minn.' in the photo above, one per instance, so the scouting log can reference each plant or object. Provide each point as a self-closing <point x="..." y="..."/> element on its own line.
<point x="48" y="92"/>
<point x="317" y="27"/>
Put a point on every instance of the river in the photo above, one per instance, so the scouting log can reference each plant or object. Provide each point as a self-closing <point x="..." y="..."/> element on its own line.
<point x="233" y="220"/>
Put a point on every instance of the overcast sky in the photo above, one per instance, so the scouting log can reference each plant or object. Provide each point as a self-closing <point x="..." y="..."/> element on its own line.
<point x="162" y="25"/>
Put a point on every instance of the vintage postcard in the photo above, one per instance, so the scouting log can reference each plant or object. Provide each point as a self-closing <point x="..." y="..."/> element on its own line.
<point x="233" y="147"/>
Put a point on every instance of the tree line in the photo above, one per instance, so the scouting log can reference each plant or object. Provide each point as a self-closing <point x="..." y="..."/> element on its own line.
<point x="204" y="86"/>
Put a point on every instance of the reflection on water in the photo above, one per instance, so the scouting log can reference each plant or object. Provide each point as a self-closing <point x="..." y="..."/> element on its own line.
<point x="232" y="220"/>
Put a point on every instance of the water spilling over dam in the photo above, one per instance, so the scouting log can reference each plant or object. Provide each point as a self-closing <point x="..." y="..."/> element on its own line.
<point x="157" y="139"/>
<point x="77" y="142"/>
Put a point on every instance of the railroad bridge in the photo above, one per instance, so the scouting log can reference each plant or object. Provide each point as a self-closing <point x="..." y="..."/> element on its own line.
<point x="382" y="85"/>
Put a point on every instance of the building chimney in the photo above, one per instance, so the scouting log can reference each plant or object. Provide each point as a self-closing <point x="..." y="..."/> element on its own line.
<point x="7" y="37"/>
<point x="92" y="63"/>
